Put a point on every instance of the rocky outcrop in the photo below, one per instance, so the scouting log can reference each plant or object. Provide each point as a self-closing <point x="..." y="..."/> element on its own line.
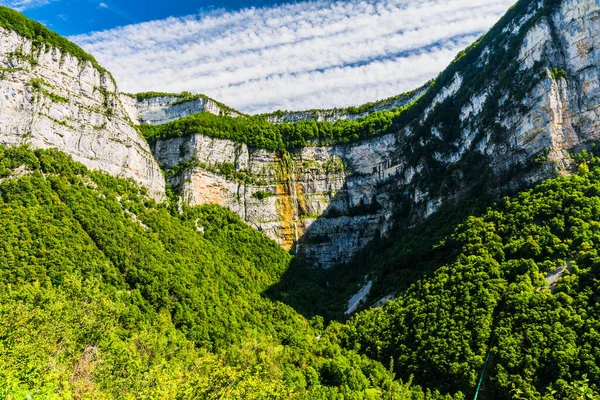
<point x="163" y="109"/>
<point x="51" y="99"/>
<point x="520" y="100"/>
<point x="321" y="202"/>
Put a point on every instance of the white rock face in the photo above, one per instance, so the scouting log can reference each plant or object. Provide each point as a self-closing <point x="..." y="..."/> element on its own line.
<point x="475" y="106"/>
<point x="160" y="110"/>
<point x="533" y="45"/>
<point x="326" y="203"/>
<point x="321" y="202"/>
<point x="50" y="99"/>
<point x="562" y="113"/>
<point x="444" y="94"/>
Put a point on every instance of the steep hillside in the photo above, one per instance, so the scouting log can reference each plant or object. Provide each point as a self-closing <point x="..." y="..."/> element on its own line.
<point x="517" y="285"/>
<point x="105" y="294"/>
<point x="54" y="95"/>
<point x="525" y="92"/>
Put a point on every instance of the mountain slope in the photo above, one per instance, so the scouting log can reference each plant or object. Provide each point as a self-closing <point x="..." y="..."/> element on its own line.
<point x="105" y="294"/>
<point x="526" y="90"/>
<point x="520" y="281"/>
<point x="54" y="95"/>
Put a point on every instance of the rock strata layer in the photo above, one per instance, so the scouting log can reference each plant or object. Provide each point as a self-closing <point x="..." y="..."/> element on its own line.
<point x="50" y="99"/>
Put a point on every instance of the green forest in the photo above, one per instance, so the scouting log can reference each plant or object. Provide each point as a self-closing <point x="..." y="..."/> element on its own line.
<point x="107" y="294"/>
<point x="258" y="132"/>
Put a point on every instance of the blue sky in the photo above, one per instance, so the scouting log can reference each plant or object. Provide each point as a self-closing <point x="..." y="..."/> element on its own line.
<point x="267" y="55"/>
<point x="72" y="17"/>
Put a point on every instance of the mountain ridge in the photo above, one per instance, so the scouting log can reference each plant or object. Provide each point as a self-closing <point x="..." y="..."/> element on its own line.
<point x="517" y="95"/>
<point x="514" y="104"/>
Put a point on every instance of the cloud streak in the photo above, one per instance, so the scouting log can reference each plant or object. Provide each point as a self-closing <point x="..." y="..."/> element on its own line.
<point x="317" y="54"/>
<point x="21" y="5"/>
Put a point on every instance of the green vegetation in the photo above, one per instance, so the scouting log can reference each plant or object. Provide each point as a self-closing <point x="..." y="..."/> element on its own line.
<point x="485" y="291"/>
<point x="355" y="110"/>
<point x="225" y="169"/>
<point x="558" y="73"/>
<point x="97" y="303"/>
<point x="261" y="195"/>
<point x="257" y="132"/>
<point x="40" y="85"/>
<point x="40" y="35"/>
<point x="106" y="294"/>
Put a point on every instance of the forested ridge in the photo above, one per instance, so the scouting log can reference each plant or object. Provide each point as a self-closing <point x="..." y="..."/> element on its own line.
<point x="42" y="36"/>
<point x="257" y="131"/>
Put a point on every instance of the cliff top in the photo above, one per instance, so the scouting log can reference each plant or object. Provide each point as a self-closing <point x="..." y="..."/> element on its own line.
<point x="40" y="35"/>
<point x="182" y="97"/>
<point x="490" y="66"/>
<point x="361" y="110"/>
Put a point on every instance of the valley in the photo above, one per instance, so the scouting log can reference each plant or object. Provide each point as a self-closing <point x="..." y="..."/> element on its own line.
<point x="440" y="244"/>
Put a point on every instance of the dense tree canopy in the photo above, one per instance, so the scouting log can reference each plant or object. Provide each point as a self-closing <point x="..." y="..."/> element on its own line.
<point x="257" y="131"/>
<point x="106" y="294"/>
<point x="494" y="294"/>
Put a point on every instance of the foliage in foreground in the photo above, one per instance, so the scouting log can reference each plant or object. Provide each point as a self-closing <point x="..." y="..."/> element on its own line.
<point x="106" y="294"/>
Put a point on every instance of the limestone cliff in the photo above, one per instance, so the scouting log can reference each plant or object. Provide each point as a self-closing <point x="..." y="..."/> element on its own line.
<point x="329" y="191"/>
<point x="506" y="112"/>
<point x="166" y="108"/>
<point x="50" y="98"/>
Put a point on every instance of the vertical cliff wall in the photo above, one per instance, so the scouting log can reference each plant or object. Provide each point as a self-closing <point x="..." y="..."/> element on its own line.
<point x="166" y="108"/>
<point x="327" y="191"/>
<point x="507" y="112"/>
<point x="50" y="98"/>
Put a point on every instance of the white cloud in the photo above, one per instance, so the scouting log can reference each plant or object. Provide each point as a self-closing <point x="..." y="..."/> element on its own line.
<point x="102" y="5"/>
<point x="21" y="5"/>
<point x="317" y="54"/>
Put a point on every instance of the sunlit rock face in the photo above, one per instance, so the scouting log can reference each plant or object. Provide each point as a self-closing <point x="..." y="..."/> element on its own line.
<point x="320" y="202"/>
<point x="326" y="203"/>
<point x="163" y="109"/>
<point x="51" y="99"/>
<point x="508" y="112"/>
